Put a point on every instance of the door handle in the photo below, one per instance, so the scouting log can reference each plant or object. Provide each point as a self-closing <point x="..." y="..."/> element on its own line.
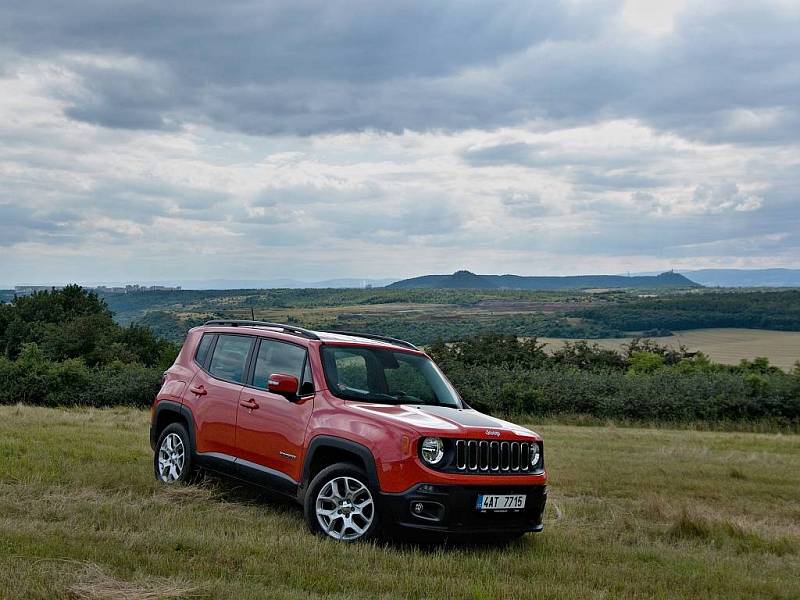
<point x="198" y="390"/>
<point x="251" y="404"/>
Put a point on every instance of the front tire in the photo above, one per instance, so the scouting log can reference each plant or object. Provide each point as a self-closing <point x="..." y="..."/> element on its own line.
<point x="172" y="461"/>
<point x="340" y="504"/>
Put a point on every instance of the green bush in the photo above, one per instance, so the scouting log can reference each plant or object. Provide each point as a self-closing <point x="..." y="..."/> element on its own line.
<point x="33" y="379"/>
<point x="664" y="395"/>
<point x="644" y="362"/>
<point x="645" y="382"/>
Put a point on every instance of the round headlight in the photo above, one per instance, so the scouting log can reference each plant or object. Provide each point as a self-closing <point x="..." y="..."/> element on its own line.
<point x="536" y="454"/>
<point x="432" y="450"/>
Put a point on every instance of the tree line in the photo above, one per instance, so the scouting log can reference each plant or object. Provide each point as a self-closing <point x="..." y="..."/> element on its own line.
<point x="774" y="310"/>
<point x="643" y="382"/>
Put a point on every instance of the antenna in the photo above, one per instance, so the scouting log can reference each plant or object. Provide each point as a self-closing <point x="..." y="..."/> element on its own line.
<point x="252" y="313"/>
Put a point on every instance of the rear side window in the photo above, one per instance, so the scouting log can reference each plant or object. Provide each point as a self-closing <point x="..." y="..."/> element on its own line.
<point x="201" y="355"/>
<point x="277" y="357"/>
<point x="230" y="357"/>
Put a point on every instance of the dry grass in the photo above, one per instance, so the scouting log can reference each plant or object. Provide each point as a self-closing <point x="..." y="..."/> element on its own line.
<point x="633" y="513"/>
<point x="95" y="584"/>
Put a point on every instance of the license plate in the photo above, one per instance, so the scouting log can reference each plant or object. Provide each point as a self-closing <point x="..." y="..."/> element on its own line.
<point x="500" y="502"/>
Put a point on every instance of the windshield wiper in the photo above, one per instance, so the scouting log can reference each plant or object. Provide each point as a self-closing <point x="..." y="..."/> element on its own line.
<point x="409" y="399"/>
<point x="372" y="397"/>
<point x="398" y="398"/>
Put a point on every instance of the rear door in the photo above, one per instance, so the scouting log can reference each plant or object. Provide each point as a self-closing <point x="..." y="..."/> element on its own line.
<point x="213" y="394"/>
<point x="271" y="435"/>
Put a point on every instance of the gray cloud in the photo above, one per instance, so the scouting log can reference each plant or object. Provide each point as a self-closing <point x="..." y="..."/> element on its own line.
<point x="548" y="155"/>
<point x="273" y="67"/>
<point x="524" y="204"/>
<point x="724" y="74"/>
<point x="20" y="224"/>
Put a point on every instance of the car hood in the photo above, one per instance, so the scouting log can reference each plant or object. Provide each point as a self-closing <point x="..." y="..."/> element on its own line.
<point x="448" y="422"/>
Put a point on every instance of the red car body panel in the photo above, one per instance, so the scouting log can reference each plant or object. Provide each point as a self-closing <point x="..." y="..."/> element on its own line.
<point x="214" y="413"/>
<point x="273" y="435"/>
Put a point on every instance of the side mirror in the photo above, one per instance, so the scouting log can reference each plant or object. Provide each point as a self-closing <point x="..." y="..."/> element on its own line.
<point x="285" y="385"/>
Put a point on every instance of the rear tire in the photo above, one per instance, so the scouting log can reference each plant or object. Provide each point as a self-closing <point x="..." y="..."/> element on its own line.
<point x="341" y="504"/>
<point x="172" y="460"/>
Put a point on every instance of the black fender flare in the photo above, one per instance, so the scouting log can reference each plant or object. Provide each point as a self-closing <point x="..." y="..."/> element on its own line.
<point x="177" y="408"/>
<point x="321" y="442"/>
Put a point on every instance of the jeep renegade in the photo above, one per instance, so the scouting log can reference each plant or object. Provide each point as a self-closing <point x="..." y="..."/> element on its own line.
<point x="364" y="431"/>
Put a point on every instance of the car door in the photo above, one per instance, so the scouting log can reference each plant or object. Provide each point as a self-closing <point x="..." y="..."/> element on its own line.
<point x="213" y="395"/>
<point x="270" y="428"/>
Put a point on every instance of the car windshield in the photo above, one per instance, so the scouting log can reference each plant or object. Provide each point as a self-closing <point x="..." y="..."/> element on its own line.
<point x="380" y="375"/>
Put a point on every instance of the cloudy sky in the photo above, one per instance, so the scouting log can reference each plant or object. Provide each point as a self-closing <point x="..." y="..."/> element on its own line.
<point x="145" y="141"/>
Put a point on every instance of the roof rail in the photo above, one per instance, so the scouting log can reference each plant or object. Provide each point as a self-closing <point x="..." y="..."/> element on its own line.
<point x="287" y="328"/>
<point x="372" y="336"/>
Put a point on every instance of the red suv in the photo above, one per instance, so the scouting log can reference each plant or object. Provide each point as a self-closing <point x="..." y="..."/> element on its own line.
<point x="364" y="431"/>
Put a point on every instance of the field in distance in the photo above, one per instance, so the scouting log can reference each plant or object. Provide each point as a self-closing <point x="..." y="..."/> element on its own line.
<point x="425" y="315"/>
<point x="725" y="345"/>
<point x="633" y="513"/>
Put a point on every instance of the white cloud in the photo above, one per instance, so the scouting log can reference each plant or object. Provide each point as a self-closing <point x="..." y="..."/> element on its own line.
<point x="717" y="199"/>
<point x="655" y="17"/>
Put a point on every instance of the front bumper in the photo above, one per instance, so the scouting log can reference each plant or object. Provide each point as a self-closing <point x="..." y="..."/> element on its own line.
<point x="450" y="509"/>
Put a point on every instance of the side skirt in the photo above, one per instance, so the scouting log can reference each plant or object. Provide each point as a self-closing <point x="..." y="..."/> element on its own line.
<point x="249" y="472"/>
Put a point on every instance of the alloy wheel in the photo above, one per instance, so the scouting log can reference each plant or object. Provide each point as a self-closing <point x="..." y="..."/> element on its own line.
<point x="171" y="458"/>
<point x="345" y="508"/>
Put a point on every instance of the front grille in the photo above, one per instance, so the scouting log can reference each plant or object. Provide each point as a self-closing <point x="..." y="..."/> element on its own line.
<point x="484" y="456"/>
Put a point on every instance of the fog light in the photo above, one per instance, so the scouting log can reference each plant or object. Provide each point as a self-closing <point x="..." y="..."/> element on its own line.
<point x="427" y="511"/>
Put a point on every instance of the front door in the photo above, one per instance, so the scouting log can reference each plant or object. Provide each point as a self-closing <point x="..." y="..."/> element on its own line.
<point x="272" y="434"/>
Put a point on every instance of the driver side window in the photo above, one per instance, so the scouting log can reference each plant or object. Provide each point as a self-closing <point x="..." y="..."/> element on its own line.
<point x="277" y="357"/>
<point x="352" y="370"/>
<point x="408" y="380"/>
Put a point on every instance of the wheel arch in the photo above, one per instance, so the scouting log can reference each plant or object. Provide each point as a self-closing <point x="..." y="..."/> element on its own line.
<point x="168" y="412"/>
<point x="325" y="450"/>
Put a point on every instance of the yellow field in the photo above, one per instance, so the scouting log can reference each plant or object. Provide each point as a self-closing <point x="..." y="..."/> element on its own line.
<point x="727" y="346"/>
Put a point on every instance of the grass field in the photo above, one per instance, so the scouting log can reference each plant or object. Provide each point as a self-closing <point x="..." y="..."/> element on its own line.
<point x="633" y="513"/>
<point x="726" y="346"/>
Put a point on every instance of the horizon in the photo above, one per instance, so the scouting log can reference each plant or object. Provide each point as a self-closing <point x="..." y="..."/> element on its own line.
<point x="218" y="283"/>
<point x="572" y="137"/>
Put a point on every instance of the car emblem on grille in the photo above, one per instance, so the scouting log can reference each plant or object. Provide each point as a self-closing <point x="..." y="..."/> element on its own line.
<point x="492" y="432"/>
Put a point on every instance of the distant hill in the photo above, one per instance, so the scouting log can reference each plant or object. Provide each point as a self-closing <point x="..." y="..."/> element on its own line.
<point x="468" y="280"/>
<point x="746" y="277"/>
<point x="458" y="280"/>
